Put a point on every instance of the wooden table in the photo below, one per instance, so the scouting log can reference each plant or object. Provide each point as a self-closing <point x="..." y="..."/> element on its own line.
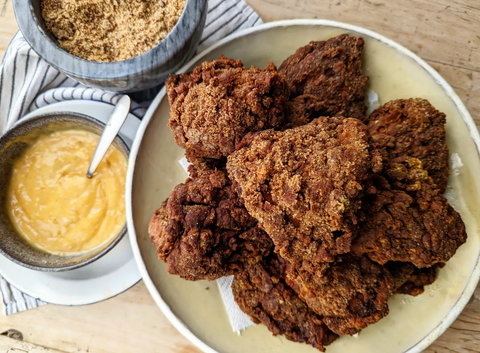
<point x="445" y="33"/>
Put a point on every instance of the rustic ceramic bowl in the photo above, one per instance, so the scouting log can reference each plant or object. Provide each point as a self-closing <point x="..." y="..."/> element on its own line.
<point x="139" y="73"/>
<point x="413" y="322"/>
<point x="12" y="144"/>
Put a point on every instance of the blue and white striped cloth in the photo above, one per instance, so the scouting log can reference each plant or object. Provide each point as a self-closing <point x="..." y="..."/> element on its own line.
<point x="28" y="83"/>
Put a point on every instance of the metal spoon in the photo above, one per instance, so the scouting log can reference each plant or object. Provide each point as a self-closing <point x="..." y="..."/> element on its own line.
<point x="115" y="123"/>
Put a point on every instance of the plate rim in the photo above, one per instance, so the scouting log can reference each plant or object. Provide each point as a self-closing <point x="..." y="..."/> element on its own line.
<point x="10" y="279"/>
<point x="68" y="102"/>
<point x="26" y="291"/>
<point x="474" y="277"/>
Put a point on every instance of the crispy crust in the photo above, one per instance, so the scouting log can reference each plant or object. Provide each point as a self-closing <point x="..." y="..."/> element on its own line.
<point x="326" y="79"/>
<point x="213" y="107"/>
<point x="350" y="293"/>
<point x="412" y="128"/>
<point x="304" y="184"/>
<point x="412" y="280"/>
<point x="405" y="218"/>
<point x="261" y="292"/>
<point x="203" y="230"/>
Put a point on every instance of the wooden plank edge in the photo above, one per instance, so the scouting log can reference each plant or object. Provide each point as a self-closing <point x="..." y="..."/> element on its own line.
<point x="10" y="345"/>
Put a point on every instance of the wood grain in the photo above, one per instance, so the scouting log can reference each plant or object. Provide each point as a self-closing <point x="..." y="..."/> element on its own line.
<point x="8" y="25"/>
<point x="130" y="322"/>
<point x="445" y="33"/>
<point x="8" y="345"/>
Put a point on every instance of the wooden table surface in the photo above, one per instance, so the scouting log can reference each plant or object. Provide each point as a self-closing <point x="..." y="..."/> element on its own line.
<point x="446" y="33"/>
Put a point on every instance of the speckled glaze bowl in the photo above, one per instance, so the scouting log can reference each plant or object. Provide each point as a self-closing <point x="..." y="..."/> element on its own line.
<point x="12" y="144"/>
<point x="139" y="73"/>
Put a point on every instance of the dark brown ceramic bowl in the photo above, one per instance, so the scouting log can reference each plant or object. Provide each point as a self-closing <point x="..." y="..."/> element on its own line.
<point x="12" y="144"/>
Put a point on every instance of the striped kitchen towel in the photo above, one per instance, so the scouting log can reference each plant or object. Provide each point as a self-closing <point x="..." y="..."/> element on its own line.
<point x="28" y="83"/>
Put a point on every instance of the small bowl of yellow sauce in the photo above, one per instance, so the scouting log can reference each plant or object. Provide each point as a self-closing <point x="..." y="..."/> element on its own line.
<point x="54" y="218"/>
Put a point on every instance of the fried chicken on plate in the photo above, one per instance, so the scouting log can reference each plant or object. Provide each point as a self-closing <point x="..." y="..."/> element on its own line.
<point x="404" y="217"/>
<point x="217" y="104"/>
<point x="350" y="293"/>
<point x="319" y="217"/>
<point x="203" y="231"/>
<point x="412" y="280"/>
<point x="303" y="185"/>
<point x="412" y="128"/>
<point x="261" y="292"/>
<point x="326" y="79"/>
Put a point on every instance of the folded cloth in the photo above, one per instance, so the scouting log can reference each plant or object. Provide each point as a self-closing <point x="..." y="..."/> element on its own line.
<point x="27" y="83"/>
<point x="14" y="300"/>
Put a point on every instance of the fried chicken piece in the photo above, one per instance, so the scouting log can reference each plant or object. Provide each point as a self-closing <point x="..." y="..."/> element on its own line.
<point x="420" y="278"/>
<point x="304" y="184"/>
<point x="412" y="128"/>
<point x="350" y="293"/>
<point x="303" y="109"/>
<point x="404" y="217"/>
<point x="326" y="79"/>
<point x="400" y="271"/>
<point x="261" y="292"/>
<point x="213" y="107"/>
<point x="203" y="231"/>
<point x="412" y="280"/>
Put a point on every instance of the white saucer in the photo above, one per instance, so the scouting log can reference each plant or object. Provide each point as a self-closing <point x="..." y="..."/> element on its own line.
<point x="112" y="274"/>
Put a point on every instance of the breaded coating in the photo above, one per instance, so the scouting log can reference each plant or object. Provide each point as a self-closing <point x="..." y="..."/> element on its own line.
<point x="350" y="293"/>
<point x="326" y="79"/>
<point x="419" y="278"/>
<point x="303" y="109"/>
<point x="261" y="292"/>
<point x="304" y="184"/>
<point x="404" y="217"/>
<point x="412" y="280"/>
<point x="203" y="231"/>
<point x="412" y="128"/>
<point x="212" y="108"/>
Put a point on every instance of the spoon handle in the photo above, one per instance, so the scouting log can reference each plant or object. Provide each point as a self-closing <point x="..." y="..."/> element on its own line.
<point x="111" y="130"/>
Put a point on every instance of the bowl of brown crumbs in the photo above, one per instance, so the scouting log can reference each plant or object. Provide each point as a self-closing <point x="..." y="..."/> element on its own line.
<point x="118" y="45"/>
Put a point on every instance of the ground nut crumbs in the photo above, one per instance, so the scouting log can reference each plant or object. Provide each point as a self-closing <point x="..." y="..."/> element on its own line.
<point x="110" y="30"/>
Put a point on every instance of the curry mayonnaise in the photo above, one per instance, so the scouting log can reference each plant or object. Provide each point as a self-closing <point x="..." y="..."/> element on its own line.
<point x="52" y="203"/>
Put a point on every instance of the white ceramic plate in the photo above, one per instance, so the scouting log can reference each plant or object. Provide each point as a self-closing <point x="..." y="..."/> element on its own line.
<point x="110" y="275"/>
<point x="153" y="171"/>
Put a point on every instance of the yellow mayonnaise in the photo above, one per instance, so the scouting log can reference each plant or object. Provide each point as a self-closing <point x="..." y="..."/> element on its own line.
<point x="52" y="203"/>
